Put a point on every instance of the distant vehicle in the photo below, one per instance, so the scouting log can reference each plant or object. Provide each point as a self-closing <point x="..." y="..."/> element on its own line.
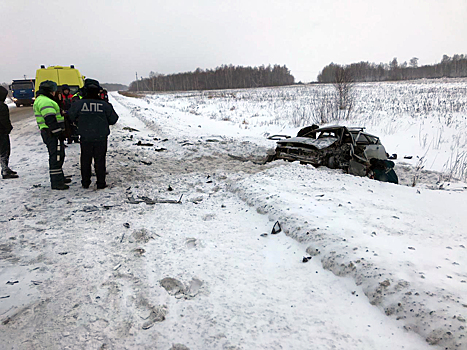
<point x="338" y="147"/>
<point x="61" y="75"/>
<point x="22" y="92"/>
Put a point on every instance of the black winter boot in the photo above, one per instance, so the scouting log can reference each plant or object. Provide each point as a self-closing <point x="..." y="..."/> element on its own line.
<point x="10" y="176"/>
<point x="61" y="187"/>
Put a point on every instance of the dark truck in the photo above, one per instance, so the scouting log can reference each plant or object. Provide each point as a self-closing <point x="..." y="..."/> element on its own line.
<point x="22" y="92"/>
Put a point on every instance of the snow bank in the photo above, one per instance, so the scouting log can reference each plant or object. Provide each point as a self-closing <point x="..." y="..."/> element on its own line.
<point x="406" y="247"/>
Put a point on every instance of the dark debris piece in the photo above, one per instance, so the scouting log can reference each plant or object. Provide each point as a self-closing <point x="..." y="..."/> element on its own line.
<point x="148" y="200"/>
<point x="139" y="251"/>
<point x="306" y="258"/>
<point x="130" y="129"/>
<point x="160" y="149"/>
<point x="276" y="228"/>
<point x="12" y="282"/>
<point x="90" y="208"/>
<point x="147" y="144"/>
<point x="126" y="224"/>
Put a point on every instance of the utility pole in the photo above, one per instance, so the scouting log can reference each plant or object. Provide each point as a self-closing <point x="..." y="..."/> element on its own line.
<point x="25" y="77"/>
<point x="137" y="89"/>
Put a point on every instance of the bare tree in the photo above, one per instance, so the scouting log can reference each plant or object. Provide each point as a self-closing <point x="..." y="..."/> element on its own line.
<point x="413" y="62"/>
<point x="343" y="82"/>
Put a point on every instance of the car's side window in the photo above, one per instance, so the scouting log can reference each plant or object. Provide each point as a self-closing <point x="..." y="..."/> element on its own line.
<point x="362" y="139"/>
<point x="373" y="140"/>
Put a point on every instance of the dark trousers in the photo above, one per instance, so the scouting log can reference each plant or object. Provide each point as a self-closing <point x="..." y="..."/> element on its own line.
<point x="74" y="134"/>
<point x="56" y="148"/>
<point x="71" y="130"/>
<point x="90" y="150"/>
<point x="4" y="151"/>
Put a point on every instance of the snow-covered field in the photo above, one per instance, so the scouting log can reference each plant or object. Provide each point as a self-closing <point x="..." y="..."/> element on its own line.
<point x="423" y="119"/>
<point x="384" y="264"/>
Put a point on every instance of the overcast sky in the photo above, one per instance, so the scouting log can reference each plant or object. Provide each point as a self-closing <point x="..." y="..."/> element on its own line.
<point x="111" y="40"/>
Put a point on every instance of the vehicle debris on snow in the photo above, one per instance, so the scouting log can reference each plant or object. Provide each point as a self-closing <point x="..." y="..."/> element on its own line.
<point x="129" y="129"/>
<point x="145" y="144"/>
<point x="276" y="228"/>
<point x="149" y="201"/>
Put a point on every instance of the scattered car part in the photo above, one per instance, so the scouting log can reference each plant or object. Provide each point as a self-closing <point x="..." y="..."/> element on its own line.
<point x="276" y="228"/>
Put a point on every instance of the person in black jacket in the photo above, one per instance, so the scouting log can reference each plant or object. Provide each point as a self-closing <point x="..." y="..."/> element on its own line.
<point x="65" y="104"/>
<point x="93" y="117"/>
<point x="5" y="129"/>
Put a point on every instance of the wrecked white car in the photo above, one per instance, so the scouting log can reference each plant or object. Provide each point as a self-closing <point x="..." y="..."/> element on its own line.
<point x="338" y="147"/>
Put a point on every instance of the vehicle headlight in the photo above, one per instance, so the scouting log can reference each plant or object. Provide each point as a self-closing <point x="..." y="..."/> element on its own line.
<point x="14" y="99"/>
<point x="33" y="98"/>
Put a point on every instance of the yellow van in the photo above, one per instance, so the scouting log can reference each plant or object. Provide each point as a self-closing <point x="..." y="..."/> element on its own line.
<point x="61" y="75"/>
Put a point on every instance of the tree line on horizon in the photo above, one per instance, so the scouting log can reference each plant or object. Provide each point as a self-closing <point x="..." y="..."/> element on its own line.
<point x="223" y="77"/>
<point x="449" y="67"/>
<point x="114" y="86"/>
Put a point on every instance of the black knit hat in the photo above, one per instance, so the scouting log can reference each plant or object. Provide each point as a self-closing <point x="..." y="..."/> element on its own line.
<point x="48" y="86"/>
<point x="92" y="84"/>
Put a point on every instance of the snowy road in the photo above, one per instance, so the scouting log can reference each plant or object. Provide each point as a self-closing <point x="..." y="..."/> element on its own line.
<point x="90" y="270"/>
<point x="20" y="113"/>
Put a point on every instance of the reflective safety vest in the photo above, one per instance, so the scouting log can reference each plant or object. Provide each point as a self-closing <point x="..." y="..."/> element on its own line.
<point x="44" y="107"/>
<point x="77" y="96"/>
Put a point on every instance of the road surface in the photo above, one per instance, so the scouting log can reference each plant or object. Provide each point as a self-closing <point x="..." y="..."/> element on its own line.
<point x="19" y="113"/>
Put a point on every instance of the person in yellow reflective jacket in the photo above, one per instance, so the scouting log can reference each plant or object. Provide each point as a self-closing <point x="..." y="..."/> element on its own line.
<point x="52" y="126"/>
